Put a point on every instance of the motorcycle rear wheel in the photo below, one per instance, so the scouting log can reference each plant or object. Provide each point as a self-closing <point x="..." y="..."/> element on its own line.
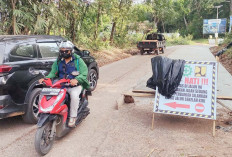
<point x="43" y="143"/>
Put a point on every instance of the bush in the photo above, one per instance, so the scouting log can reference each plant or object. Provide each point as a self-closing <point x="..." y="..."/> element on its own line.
<point x="135" y="38"/>
<point x="93" y="44"/>
<point x="130" y="40"/>
<point x="229" y="53"/>
<point x="175" y="40"/>
<point x="228" y="38"/>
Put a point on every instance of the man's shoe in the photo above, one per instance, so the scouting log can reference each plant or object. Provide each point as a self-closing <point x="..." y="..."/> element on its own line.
<point x="72" y="121"/>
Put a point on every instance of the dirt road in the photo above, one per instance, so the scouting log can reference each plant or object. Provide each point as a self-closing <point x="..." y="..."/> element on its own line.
<point x="124" y="132"/>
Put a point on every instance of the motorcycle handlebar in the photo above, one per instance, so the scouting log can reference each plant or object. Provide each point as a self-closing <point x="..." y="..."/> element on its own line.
<point x="61" y="82"/>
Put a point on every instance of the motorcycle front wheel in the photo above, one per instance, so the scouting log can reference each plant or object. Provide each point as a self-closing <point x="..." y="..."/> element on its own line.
<point x="43" y="141"/>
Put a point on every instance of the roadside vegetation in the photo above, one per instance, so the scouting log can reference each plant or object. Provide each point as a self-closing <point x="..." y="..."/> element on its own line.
<point x="226" y="57"/>
<point x="228" y="40"/>
<point x="103" y="24"/>
<point x="200" y="41"/>
<point x="179" y="40"/>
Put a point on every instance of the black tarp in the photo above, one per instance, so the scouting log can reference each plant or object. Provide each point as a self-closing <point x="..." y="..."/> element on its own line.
<point x="167" y="74"/>
<point x="220" y="52"/>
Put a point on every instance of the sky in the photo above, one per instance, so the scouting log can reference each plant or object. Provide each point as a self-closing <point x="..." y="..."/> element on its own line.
<point x="138" y="1"/>
<point x="135" y="1"/>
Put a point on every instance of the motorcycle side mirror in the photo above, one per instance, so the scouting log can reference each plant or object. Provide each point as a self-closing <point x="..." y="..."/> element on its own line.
<point x="86" y="52"/>
<point x="33" y="71"/>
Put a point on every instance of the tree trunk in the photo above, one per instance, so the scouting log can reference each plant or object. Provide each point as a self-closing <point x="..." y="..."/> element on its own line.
<point x="112" y="32"/>
<point x="156" y="20"/>
<point x="97" y="22"/>
<point x="163" y="26"/>
<point x="26" y="31"/>
<point x="59" y="31"/>
<point x="83" y="16"/>
<point x="185" y="22"/>
<point x="49" y="29"/>
<point x="73" y="34"/>
<point x="66" y="17"/>
<point x="13" y="3"/>
<point x="114" y="24"/>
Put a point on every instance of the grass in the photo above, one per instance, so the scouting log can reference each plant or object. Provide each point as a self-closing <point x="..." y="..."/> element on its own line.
<point x="201" y="41"/>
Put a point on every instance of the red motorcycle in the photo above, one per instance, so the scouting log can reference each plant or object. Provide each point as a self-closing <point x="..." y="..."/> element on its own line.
<point x="54" y="104"/>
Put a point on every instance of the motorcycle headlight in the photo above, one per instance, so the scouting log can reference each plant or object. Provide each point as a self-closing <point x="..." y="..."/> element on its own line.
<point x="50" y="108"/>
<point x="58" y="99"/>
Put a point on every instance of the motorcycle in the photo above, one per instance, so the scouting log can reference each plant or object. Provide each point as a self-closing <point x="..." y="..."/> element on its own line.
<point x="53" y="120"/>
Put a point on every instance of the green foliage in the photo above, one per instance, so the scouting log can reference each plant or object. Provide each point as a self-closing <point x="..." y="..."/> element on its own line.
<point x="141" y="13"/>
<point x="201" y="41"/>
<point x="229" y="52"/>
<point x="228" y="38"/>
<point x="175" y="40"/>
<point x="101" y="24"/>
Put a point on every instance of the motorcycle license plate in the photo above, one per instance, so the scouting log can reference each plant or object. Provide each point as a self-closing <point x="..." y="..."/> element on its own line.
<point x="50" y="91"/>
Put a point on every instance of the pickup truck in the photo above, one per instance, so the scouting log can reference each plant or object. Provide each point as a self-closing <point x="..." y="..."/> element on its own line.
<point x="154" y="42"/>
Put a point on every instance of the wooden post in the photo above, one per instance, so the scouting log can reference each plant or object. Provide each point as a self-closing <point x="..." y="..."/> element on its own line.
<point x="217" y="59"/>
<point x="214" y="125"/>
<point x="152" y="123"/>
<point x="214" y="122"/>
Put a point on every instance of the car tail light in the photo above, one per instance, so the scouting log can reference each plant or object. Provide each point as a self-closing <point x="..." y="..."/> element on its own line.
<point x="5" y="68"/>
<point x="1" y="107"/>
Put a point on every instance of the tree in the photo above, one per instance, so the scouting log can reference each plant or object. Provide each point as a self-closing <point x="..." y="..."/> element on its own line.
<point x="119" y="10"/>
<point x="99" y="22"/>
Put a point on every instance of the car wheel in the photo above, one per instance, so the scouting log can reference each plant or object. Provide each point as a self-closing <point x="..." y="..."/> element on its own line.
<point x="162" y="50"/>
<point x="92" y="79"/>
<point x="43" y="139"/>
<point x="141" y="51"/>
<point x="157" y="52"/>
<point x="32" y="109"/>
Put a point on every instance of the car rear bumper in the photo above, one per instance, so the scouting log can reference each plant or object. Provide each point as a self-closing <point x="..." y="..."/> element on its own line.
<point x="10" y="108"/>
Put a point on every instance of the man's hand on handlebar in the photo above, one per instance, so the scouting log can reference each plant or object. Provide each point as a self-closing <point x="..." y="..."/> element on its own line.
<point x="73" y="82"/>
<point x="41" y="80"/>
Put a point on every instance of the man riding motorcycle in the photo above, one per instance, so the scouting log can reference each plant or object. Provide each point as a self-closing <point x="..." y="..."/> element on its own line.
<point x="70" y="66"/>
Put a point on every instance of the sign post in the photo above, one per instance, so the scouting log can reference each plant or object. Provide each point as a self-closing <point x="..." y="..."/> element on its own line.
<point x="196" y="94"/>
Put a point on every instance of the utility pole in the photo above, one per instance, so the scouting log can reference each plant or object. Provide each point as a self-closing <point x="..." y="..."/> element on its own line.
<point x="216" y="34"/>
<point x="219" y="6"/>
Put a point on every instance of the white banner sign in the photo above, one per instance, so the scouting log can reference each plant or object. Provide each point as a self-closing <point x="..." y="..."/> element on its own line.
<point x="196" y="94"/>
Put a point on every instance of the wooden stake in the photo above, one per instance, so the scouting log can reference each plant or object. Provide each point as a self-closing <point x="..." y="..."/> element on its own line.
<point x="143" y="91"/>
<point x="224" y="105"/>
<point x="217" y="58"/>
<point x="214" y="122"/>
<point x="152" y="123"/>
<point x="224" y="97"/>
<point x="139" y="94"/>
<point x="214" y="125"/>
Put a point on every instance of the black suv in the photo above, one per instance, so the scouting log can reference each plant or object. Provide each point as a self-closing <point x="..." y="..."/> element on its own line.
<point x="23" y="61"/>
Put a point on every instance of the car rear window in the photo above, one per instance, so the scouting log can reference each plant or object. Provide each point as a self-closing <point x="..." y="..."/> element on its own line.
<point x="24" y="51"/>
<point x="48" y="50"/>
<point x="2" y="51"/>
